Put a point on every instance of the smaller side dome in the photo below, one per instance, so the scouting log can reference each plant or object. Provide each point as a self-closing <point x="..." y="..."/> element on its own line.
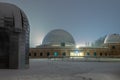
<point x="112" y="38"/>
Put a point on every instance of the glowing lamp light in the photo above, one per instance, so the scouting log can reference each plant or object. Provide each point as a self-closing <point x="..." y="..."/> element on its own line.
<point x="82" y="54"/>
<point x="77" y="46"/>
<point x="80" y="45"/>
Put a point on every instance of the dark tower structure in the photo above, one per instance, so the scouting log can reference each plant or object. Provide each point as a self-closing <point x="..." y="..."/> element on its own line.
<point x="14" y="37"/>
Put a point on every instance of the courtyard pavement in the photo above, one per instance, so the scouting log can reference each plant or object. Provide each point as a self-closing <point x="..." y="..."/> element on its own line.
<point x="48" y="69"/>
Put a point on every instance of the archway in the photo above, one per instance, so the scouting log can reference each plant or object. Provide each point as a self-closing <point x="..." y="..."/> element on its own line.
<point x="4" y="50"/>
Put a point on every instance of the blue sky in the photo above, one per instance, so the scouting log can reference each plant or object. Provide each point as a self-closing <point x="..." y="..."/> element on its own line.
<point x="86" y="20"/>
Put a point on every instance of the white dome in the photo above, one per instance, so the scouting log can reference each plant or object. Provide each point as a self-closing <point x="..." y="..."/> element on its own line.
<point x="58" y="37"/>
<point x="113" y="38"/>
<point x="13" y="15"/>
<point x="14" y="35"/>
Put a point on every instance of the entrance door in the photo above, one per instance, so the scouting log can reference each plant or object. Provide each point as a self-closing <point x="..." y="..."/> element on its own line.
<point x="4" y="50"/>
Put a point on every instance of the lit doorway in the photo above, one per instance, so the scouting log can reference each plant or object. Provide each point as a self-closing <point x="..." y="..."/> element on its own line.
<point x="76" y="54"/>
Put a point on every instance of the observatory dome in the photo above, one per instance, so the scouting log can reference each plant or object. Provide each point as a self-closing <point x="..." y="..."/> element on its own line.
<point x="14" y="37"/>
<point x="59" y="38"/>
<point x="112" y="38"/>
<point x="13" y="17"/>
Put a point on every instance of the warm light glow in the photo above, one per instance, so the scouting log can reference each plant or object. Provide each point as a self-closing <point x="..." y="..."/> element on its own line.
<point x="80" y="45"/>
<point x="77" y="46"/>
<point x="82" y="54"/>
<point x="76" y="55"/>
<point x="55" y="45"/>
<point x="37" y="41"/>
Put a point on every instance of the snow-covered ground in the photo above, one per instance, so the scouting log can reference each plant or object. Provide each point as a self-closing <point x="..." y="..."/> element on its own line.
<point x="44" y="69"/>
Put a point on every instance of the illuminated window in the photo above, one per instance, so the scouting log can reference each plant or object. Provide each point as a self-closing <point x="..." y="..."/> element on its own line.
<point x="76" y="51"/>
<point x="55" y="54"/>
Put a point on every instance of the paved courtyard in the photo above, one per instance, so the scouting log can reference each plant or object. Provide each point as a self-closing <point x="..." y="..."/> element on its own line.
<point x="45" y="69"/>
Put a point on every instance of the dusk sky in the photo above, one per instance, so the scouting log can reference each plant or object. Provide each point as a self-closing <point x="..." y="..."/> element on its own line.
<point x="86" y="20"/>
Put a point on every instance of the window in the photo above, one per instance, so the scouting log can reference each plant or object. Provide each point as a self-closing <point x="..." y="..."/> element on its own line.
<point x="55" y="54"/>
<point x="95" y="54"/>
<point x="29" y="54"/>
<point x="35" y="54"/>
<point x="88" y="53"/>
<point x="48" y="53"/>
<point x="8" y="21"/>
<point x="63" y="54"/>
<point x="113" y="47"/>
<point x="100" y="54"/>
<point x="63" y="44"/>
<point x="105" y="54"/>
<point x="41" y="54"/>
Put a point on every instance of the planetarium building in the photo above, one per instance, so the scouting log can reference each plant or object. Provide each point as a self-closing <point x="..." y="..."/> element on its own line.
<point x="59" y="44"/>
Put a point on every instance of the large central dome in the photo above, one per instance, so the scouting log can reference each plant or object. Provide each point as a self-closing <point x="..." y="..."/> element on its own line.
<point x="58" y="37"/>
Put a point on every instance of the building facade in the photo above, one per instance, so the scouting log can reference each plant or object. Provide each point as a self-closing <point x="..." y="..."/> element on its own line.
<point x="58" y="49"/>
